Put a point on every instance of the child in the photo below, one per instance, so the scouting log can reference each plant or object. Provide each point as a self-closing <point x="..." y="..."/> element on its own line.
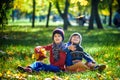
<point x="75" y="54"/>
<point x="57" y="55"/>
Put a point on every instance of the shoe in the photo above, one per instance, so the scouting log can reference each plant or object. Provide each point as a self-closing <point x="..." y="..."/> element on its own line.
<point x="24" y="69"/>
<point x="100" y="68"/>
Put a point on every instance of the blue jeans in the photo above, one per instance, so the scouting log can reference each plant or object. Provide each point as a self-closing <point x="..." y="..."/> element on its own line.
<point x="39" y="66"/>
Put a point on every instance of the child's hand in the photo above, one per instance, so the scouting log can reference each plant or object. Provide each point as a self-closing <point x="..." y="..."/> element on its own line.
<point x="72" y="47"/>
<point x="90" y="64"/>
<point x="37" y="49"/>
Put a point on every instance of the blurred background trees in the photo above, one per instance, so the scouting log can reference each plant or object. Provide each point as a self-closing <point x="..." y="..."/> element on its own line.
<point x="5" y="11"/>
<point x="68" y="12"/>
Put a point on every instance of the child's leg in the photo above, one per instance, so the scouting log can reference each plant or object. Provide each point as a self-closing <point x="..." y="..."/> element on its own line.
<point x="90" y="65"/>
<point x="38" y="66"/>
<point x="94" y="66"/>
<point x="24" y="69"/>
<point x="51" y="68"/>
<point x="77" y="67"/>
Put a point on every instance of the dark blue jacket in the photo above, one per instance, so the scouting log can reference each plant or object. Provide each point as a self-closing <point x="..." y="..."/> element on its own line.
<point x="69" y="56"/>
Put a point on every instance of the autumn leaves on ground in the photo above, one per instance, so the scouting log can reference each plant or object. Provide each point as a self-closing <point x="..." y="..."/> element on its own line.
<point x="17" y="48"/>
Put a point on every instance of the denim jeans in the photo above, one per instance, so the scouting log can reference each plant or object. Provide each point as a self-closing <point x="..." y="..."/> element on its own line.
<point x="39" y="66"/>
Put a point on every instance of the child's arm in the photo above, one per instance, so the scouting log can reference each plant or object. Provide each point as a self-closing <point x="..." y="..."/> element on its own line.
<point x="69" y="48"/>
<point x="48" y="47"/>
<point x="88" y="58"/>
<point x="37" y="49"/>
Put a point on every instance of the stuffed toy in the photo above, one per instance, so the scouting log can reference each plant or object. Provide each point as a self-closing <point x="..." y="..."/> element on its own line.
<point x="40" y="53"/>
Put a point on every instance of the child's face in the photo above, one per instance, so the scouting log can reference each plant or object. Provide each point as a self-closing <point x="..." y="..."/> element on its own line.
<point x="57" y="38"/>
<point x="75" y="39"/>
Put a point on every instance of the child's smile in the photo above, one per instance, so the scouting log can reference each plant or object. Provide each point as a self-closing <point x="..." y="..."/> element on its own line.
<point x="57" y="38"/>
<point x="75" y="39"/>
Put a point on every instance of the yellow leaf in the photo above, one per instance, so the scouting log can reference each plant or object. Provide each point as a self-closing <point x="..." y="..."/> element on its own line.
<point x="109" y="72"/>
<point x="33" y="56"/>
<point x="24" y="75"/>
<point x="73" y="1"/>
<point x="105" y="12"/>
<point x="66" y="78"/>
<point x="106" y="55"/>
<point x="83" y="3"/>
<point x="0" y="74"/>
<point x="8" y="72"/>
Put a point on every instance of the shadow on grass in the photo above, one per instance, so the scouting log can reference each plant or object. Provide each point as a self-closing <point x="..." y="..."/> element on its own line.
<point x="106" y="39"/>
<point x="42" y="36"/>
<point x="26" y="38"/>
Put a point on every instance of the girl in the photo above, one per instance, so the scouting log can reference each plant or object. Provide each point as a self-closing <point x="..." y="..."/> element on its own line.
<point x="57" y="55"/>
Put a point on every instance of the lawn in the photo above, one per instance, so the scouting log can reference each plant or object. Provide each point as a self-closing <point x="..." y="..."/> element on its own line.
<point x="17" y="48"/>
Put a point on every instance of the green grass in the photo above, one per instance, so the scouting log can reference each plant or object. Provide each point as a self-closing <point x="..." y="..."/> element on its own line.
<point x="18" y="47"/>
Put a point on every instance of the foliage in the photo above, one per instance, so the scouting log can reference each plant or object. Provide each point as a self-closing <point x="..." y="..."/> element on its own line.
<point x="104" y="7"/>
<point x="26" y="6"/>
<point x="18" y="47"/>
<point x="5" y="7"/>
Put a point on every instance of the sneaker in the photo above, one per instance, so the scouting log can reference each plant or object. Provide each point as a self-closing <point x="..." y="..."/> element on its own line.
<point x="24" y="69"/>
<point x="100" y="68"/>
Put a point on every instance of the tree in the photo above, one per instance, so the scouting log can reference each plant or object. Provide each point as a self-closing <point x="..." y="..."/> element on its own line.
<point x="33" y="14"/>
<point x="110" y="11"/>
<point x="5" y="8"/>
<point x="31" y="8"/>
<point x="49" y="10"/>
<point x="118" y="3"/>
<point x="64" y="15"/>
<point x="94" y="15"/>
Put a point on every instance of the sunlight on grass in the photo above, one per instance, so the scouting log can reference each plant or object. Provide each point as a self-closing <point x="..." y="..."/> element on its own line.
<point x="17" y="49"/>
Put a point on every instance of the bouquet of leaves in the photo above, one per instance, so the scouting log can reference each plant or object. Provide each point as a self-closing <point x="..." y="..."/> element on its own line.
<point x="39" y="53"/>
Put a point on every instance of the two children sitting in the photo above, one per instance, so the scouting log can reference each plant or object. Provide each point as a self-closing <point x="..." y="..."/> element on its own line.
<point x="63" y="57"/>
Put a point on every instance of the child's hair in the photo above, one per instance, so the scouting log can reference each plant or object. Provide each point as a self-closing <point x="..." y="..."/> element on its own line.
<point x="74" y="34"/>
<point x="59" y="31"/>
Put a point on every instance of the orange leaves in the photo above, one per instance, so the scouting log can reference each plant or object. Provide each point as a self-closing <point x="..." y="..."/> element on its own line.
<point x="40" y="54"/>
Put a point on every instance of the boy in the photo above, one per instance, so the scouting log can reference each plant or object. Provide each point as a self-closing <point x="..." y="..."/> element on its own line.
<point x="75" y="54"/>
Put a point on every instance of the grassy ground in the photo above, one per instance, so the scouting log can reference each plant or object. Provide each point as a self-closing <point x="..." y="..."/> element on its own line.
<point x="17" y="47"/>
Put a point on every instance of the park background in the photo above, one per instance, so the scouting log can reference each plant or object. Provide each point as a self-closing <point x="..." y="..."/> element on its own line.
<point x="25" y="24"/>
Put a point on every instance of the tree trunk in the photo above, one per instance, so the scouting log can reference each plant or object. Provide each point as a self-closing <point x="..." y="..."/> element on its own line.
<point x="33" y="15"/>
<point x="95" y="15"/>
<point x="65" y="22"/>
<point x="110" y="10"/>
<point x="49" y="10"/>
<point x="118" y="3"/>
<point x="13" y="15"/>
<point x="91" y="21"/>
<point x="65" y="14"/>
